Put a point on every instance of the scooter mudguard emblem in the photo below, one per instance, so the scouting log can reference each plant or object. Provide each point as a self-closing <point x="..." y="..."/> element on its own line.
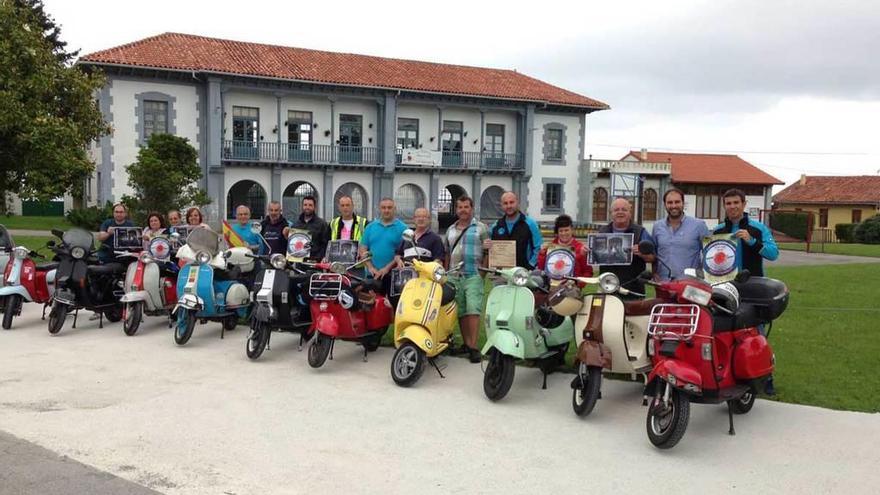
<point x="428" y="343"/>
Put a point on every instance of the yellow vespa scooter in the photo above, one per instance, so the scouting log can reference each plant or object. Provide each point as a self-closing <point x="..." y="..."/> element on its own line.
<point x="425" y="318"/>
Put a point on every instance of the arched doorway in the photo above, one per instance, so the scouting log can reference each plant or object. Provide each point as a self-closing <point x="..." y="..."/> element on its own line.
<point x="358" y="197"/>
<point x="248" y="193"/>
<point x="448" y="196"/>
<point x="490" y="204"/>
<point x="407" y="198"/>
<point x="291" y="200"/>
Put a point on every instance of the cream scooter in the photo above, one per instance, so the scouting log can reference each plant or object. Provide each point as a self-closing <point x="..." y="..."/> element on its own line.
<point x="611" y="335"/>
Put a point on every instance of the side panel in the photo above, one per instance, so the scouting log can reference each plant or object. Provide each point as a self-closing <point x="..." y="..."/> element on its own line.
<point x="753" y="358"/>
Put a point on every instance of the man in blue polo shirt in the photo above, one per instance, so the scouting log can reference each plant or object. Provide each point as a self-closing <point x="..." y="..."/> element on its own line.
<point x="380" y="240"/>
<point x="679" y="238"/>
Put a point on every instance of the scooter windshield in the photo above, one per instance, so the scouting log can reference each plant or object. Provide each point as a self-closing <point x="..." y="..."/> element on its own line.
<point x="204" y="239"/>
<point x="6" y="243"/>
<point x="79" y="238"/>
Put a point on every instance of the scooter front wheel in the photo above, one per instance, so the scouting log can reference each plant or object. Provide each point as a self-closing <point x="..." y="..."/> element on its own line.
<point x="257" y="340"/>
<point x="408" y="364"/>
<point x="13" y="307"/>
<point x="132" y="315"/>
<point x="186" y="322"/>
<point x="499" y="375"/>
<point x="667" y="422"/>
<point x="586" y="391"/>
<point x="319" y="350"/>
<point x="56" y="317"/>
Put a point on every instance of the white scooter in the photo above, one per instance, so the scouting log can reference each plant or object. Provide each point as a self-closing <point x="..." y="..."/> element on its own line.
<point x="611" y="335"/>
<point x="150" y="284"/>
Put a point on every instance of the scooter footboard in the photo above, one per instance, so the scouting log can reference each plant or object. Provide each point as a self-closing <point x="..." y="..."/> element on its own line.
<point x="593" y="353"/>
<point x="506" y="342"/>
<point x="679" y="374"/>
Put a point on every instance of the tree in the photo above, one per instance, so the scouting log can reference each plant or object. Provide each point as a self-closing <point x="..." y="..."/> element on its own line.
<point x="48" y="113"/>
<point x="165" y="176"/>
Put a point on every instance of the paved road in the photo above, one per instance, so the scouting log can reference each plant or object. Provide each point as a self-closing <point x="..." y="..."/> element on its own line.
<point x="203" y="419"/>
<point x="796" y="258"/>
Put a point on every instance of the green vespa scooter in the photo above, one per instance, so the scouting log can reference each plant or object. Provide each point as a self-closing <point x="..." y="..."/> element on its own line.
<point x="518" y="329"/>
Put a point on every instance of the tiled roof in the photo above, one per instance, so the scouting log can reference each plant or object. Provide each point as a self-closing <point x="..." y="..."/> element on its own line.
<point x="695" y="168"/>
<point x="187" y="52"/>
<point x="854" y="189"/>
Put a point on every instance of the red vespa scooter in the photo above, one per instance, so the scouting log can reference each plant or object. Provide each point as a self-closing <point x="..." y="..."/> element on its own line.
<point x="344" y="307"/>
<point x="706" y="348"/>
<point x="26" y="282"/>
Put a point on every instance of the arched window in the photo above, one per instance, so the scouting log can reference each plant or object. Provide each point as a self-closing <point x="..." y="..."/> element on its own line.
<point x="490" y="204"/>
<point x="291" y="200"/>
<point x="358" y="198"/>
<point x="600" y="204"/>
<point x="408" y="198"/>
<point x="248" y="193"/>
<point x="649" y="205"/>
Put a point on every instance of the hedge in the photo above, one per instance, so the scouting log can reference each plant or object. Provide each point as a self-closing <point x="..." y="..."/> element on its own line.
<point x="868" y="232"/>
<point x="793" y="224"/>
<point x="845" y="232"/>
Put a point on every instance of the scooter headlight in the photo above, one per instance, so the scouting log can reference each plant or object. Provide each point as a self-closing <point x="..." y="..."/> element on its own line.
<point x="146" y="258"/>
<point x="277" y="261"/>
<point x="203" y="258"/>
<point x="520" y="277"/>
<point x="439" y="274"/>
<point x="78" y="252"/>
<point x="20" y="252"/>
<point x="609" y="283"/>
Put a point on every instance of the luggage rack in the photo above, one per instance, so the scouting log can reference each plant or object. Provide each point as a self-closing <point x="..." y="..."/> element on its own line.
<point x="674" y="321"/>
<point x="325" y="286"/>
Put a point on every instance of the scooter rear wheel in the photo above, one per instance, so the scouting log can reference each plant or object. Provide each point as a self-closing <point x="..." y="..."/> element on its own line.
<point x="319" y="350"/>
<point x="114" y="314"/>
<point x="499" y="375"/>
<point x="13" y="307"/>
<point x="744" y="403"/>
<point x="132" y="315"/>
<point x="666" y="425"/>
<point x="257" y="339"/>
<point x="186" y="322"/>
<point x="408" y="364"/>
<point x="56" y="317"/>
<point x="584" y="397"/>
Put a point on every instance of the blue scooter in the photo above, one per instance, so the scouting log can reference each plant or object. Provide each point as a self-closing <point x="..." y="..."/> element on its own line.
<point x="208" y="286"/>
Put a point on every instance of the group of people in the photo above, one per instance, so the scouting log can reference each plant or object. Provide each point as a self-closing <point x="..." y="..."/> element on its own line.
<point x="678" y="240"/>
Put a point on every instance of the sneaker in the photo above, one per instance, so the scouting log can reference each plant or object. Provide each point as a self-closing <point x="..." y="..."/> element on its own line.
<point x="769" y="389"/>
<point x="474" y="356"/>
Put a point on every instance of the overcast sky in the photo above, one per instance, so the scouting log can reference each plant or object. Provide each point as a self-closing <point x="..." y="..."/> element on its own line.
<point x="791" y="86"/>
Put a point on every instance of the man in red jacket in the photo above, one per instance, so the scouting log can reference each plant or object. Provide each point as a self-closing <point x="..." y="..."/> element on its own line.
<point x="565" y="255"/>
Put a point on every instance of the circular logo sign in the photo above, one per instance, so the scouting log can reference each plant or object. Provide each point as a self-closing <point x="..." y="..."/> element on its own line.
<point x="160" y="248"/>
<point x="719" y="257"/>
<point x="560" y="263"/>
<point x="299" y="245"/>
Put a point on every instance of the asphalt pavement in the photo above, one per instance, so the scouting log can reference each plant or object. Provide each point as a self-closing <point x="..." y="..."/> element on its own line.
<point x="204" y="419"/>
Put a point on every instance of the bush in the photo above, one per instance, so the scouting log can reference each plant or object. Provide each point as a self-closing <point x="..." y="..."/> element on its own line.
<point x="793" y="224"/>
<point x="90" y="218"/>
<point x="845" y="231"/>
<point x="868" y="232"/>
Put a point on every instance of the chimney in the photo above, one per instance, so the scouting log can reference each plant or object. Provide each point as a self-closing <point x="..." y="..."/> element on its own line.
<point x="803" y="180"/>
<point x="644" y="155"/>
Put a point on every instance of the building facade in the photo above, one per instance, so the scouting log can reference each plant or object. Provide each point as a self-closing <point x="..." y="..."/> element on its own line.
<point x="279" y="123"/>
<point x="833" y="200"/>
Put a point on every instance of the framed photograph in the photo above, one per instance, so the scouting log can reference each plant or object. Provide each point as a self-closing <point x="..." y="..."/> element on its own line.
<point x="610" y="249"/>
<point x="342" y="251"/>
<point x="183" y="231"/>
<point x="128" y="238"/>
<point x="502" y="254"/>
<point x="399" y="278"/>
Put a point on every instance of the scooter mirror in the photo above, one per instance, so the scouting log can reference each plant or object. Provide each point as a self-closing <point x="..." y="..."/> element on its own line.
<point x="175" y="236"/>
<point x="646" y="247"/>
<point x="409" y="235"/>
<point x="256" y="227"/>
<point x="646" y="275"/>
<point x="57" y="233"/>
<point x="50" y="243"/>
<point x="338" y="267"/>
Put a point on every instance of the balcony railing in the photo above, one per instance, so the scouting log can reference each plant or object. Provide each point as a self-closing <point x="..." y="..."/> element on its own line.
<point x="627" y="167"/>
<point x="475" y="160"/>
<point x="319" y="154"/>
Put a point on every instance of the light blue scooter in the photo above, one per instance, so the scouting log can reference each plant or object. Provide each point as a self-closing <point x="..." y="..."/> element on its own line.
<point x="208" y="286"/>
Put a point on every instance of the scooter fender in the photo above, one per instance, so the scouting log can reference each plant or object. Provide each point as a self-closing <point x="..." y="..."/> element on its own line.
<point x="262" y="312"/>
<point x="593" y="353"/>
<point x="419" y="336"/>
<point x="326" y="323"/>
<point x="16" y="289"/>
<point x="679" y="374"/>
<point x="135" y="296"/>
<point x="506" y="342"/>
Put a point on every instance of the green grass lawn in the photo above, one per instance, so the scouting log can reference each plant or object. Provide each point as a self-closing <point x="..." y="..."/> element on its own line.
<point x="34" y="223"/>
<point x="34" y="242"/>
<point x="871" y="250"/>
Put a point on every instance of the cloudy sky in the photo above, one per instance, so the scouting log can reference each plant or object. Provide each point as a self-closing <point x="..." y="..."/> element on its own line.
<point x="791" y="86"/>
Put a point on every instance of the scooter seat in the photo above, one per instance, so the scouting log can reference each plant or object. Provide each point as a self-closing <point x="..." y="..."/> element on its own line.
<point x="45" y="267"/>
<point x="746" y="316"/>
<point x="641" y="307"/>
<point x="448" y="295"/>
<point x="107" y="269"/>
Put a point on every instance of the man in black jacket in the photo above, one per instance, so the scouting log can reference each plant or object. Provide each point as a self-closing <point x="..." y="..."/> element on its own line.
<point x="316" y="226"/>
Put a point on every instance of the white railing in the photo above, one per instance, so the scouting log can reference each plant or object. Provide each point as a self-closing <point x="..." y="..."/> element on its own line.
<point x="626" y="167"/>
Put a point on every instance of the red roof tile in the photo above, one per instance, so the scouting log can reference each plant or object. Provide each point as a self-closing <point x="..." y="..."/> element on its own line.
<point x="854" y="189"/>
<point x="176" y="51"/>
<point x="693" y="168"/>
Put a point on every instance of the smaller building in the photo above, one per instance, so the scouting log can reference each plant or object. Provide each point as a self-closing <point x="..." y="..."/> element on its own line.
<point x="832" y="200"/>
